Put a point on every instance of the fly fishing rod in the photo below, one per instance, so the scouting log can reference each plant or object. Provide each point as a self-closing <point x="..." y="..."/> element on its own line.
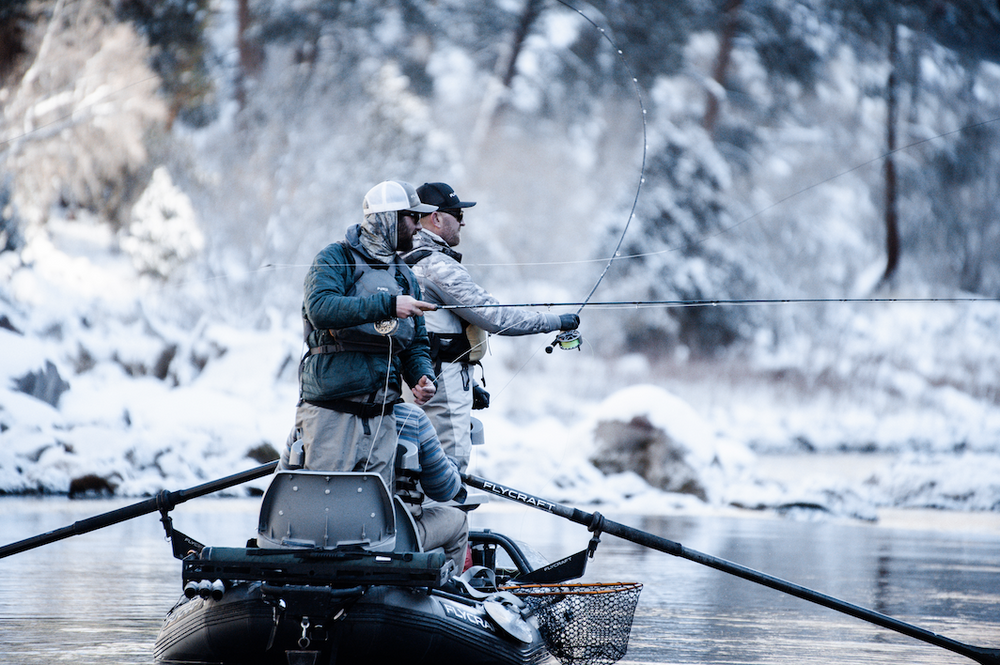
<point x="571" y="339"/>
<point x="723" y="301"/>
<point x="597" y="523"/>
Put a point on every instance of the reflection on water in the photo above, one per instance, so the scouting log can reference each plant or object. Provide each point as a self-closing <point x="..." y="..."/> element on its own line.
<point x="100" y="597"/>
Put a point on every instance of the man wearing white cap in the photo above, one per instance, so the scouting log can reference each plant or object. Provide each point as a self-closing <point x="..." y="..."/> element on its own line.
<point x="364" y="327"/>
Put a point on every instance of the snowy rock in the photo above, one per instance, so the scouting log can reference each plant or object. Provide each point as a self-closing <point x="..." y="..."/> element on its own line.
<point x="648" y="451"/>
<point x="44" y="384"/>
<point x="653" y="433"/>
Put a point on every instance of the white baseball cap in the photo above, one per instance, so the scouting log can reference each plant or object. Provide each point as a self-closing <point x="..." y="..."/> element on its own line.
<point x="393" y="195"/>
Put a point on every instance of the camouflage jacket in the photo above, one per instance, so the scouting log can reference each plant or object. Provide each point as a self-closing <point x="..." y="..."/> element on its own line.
<point x="445" y="281"/>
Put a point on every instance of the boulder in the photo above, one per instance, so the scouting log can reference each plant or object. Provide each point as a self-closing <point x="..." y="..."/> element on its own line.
<point x="45" y="384"/>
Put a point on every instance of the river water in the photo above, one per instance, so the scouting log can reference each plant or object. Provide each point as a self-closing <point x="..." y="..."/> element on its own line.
<point x="100" y="597"/>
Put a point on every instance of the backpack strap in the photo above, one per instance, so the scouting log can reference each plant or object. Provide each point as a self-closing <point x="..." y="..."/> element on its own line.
<point x="416" y="256"/>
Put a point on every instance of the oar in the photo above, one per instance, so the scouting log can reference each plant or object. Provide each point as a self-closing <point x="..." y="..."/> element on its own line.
<point x="162" y="502"/>
<point x="598" y="523"/>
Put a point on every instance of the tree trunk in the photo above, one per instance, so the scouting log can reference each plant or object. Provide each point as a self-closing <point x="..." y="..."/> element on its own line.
<point x="892" y="249"/>
<point x="250" y="50"/>
<point x="532" y="8"/>
<point x="503" y="74"/>
<point x="726" y="35"/>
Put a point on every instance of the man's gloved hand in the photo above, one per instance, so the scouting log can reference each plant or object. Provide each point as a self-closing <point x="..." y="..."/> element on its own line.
<point x="480" y="398"/>
<point x="569" y="321"/>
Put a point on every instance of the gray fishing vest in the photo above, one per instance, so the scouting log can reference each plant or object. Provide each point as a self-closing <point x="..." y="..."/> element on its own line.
<point x="378" y="336"/>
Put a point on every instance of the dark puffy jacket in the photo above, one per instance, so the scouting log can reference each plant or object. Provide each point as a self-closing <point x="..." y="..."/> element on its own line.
<point x="328" y="376"/>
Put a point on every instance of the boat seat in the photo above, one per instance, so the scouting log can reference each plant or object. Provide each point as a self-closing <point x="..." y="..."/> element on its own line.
<point x="407" y="537"/>
<point x="408" y="468"/>
<point x="327" y="510"/>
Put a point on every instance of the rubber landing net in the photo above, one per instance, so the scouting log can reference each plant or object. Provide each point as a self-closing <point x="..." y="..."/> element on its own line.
<point x="585" y="623"/>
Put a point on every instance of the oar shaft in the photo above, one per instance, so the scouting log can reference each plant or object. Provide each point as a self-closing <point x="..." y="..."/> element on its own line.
<point x="80" y="527"/>
<point x="163" y="501"/>
<point x="180" y="496"/>
<point x="595" y="522"/>
<point x="871" y="616"/>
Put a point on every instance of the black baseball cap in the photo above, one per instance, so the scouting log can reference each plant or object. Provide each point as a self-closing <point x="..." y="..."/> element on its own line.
<point x="441" y="195"/>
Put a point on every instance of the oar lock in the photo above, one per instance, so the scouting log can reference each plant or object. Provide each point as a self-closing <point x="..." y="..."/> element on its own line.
<point x="596" y="526"/>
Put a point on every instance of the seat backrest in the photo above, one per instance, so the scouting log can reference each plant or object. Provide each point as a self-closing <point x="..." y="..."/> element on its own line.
<point x="407" y="536"/>
<point x="407" y="476"/>
<point x="328" y="510"/>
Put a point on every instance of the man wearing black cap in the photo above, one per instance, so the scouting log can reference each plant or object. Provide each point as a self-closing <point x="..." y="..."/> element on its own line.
<point x="458" y="337"/>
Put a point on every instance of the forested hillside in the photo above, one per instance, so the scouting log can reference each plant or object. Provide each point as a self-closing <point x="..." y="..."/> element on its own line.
<point x="792" y="149"/>
<point x="728" y="150"/>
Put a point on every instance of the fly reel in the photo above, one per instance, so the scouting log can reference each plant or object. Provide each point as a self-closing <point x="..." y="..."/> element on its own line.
<point x="567" y="341"/>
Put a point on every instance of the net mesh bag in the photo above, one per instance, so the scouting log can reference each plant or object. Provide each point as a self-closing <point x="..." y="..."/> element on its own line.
<point x="584" y="623"/>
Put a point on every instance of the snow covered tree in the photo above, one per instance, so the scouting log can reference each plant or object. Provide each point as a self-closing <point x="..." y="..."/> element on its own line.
<point x="175" y="33"/>
<point x="75" y="123"/>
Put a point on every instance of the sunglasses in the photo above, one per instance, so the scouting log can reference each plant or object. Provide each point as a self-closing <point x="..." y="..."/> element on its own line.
<point x="454" y="212"/>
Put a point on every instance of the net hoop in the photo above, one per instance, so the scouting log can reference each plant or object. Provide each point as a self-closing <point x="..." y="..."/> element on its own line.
<point x="579" y="588"/>
<point x="585" y="623"/>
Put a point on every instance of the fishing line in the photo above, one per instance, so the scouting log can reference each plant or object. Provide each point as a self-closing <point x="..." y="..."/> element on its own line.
<point x="642" y="167"/>
<point x="385" y="400"/>
<point x="830" y="179"/>
<point x="615" y="255"/>
<point x="571" y="339"/>
<point x="638" y="92"/>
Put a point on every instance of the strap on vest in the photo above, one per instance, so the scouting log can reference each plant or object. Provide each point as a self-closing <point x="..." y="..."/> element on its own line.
<point x="416" y="256"/>
<point x="326" y="348"/>
<point x="341" y="346"/>
<point x="361" y="409"/>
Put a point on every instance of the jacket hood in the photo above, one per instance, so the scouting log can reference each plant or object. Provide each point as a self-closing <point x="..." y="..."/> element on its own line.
<point x="377" y="235"/>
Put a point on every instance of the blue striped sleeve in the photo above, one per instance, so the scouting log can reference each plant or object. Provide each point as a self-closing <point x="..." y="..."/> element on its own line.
<point x="439" y="476"/>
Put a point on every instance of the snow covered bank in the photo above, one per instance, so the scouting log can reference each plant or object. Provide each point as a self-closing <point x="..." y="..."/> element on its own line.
<point x="139" y="400"/>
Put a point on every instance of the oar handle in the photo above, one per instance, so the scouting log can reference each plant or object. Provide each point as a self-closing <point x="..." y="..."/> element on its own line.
<point x="596" y="521"/>
<point x="164" y="501"/>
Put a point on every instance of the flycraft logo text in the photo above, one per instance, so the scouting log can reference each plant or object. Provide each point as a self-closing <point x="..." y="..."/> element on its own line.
<point x="518" y="496"/>
<point x="465" y="615"/>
